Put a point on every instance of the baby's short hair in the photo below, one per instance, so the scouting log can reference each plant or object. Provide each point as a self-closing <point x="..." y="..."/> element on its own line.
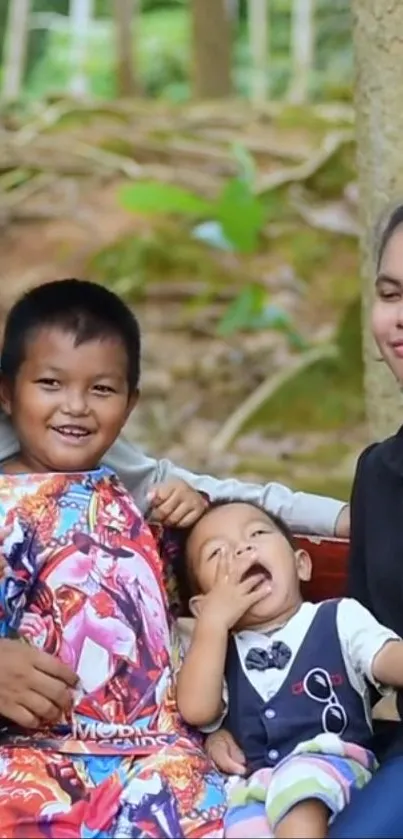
<point x="278" y="522"/>
<point x="186" y="579"/>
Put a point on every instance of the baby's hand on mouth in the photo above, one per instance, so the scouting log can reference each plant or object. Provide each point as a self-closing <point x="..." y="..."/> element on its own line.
<point x="240" y="583"/>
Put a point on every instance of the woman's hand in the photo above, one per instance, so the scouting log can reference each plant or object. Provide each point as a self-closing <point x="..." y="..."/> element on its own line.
<point x="34" y="687"/>
<point x="4" y="533"/>
<point x="224" y="752"/>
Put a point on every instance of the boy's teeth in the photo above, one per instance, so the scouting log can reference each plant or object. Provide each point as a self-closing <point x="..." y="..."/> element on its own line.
<point x="73" y="431"/>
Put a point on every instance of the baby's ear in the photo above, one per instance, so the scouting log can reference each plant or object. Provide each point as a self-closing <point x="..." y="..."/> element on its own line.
<point x="196" y="605"/>
<point x="304" y="565"/>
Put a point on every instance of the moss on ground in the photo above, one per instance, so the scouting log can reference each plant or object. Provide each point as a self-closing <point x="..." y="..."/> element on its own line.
<point x="164" y="253"/>
<point x="324" y="397"/>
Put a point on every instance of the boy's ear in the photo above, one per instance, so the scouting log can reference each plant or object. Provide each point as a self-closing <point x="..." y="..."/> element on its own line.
<point x="5" y="395"/>
<point x="132" y="402"/>
<point x="304" y="565"/>
<point x="196" y="604"/>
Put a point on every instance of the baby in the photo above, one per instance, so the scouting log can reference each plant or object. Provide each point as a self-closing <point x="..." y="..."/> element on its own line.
<point x="289" y="677"/>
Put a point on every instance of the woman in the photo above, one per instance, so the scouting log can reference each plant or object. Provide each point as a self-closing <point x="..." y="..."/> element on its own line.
<point x="375" y="570"/>
<point x="376" y="561"/>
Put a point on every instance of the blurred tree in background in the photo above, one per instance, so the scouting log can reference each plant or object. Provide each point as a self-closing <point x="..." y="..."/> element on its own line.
<point x="174" y="48"/>
<point x="212" y="34"/>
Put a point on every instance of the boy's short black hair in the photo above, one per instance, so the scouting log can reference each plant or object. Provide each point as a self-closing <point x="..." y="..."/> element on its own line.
<point x="86" y="310"/>
<point x="278" y="522"/>
<point x="186" y="578"/>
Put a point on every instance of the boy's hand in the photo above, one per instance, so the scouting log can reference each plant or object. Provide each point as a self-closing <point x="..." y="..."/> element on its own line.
<point x="176" y="504"/>
<point x="235" y="591"/>
<point x="224" y="752"/>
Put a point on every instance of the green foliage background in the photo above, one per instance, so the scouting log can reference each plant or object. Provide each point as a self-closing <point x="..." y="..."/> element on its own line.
<point x="164" y="54"/>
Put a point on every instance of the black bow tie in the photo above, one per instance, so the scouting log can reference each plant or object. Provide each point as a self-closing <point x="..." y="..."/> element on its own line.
<point x="278" y="656"/>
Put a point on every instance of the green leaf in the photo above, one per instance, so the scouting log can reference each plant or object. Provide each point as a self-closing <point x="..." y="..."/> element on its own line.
<point x="241" y="215"/>
<point x="250" y="312"/>
<point x="243" y="312"/>
<point x="153" y="198"/>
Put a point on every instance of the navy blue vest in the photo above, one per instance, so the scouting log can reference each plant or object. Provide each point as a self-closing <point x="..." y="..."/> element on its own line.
<point x="316" y="697"/>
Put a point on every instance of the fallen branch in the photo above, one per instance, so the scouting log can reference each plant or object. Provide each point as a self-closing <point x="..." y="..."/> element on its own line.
<point x="333" y="216"/>
<point x="266" y="390"/>
<point x="185" y="291"/>
<point x="12" y="198"/>
<point x="188" y="146"/>
<point x="261" y="144"/>
<point x="296" y="174"/>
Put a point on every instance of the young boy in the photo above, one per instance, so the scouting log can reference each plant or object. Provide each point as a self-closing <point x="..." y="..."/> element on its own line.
<point x="289" y="678"/>
<point x="105" y="752"/>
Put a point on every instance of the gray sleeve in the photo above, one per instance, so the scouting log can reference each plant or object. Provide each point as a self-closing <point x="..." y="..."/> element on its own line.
<point x="303" y="512"/>
<point x="135" y="469"/>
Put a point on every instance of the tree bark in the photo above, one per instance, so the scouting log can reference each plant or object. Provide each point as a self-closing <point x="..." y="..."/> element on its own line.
<point x="258" y="24"/>
<point x="302" y="49"/>
<point x="378" y="34"/>
<point x="212" y="48"/>
<point x="125" y="12"/>
<point x="15" y="48"/>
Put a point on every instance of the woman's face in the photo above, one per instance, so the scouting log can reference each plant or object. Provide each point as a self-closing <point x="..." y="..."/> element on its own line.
<point x="387" y="312"/>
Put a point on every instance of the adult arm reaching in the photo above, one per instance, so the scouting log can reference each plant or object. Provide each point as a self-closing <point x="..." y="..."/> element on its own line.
<point x="304" y="512"/>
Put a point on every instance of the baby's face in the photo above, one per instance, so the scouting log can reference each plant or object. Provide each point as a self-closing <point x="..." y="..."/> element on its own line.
<point x="240" y="531"/>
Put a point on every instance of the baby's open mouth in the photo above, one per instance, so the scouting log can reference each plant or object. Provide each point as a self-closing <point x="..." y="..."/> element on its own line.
<point x="257" y="568"/>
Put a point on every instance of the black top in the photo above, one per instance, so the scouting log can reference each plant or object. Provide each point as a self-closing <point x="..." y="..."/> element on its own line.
<point x="376" y="553"/>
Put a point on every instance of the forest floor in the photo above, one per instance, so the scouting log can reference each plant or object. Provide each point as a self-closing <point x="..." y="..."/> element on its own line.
<point x="309" y="434"/>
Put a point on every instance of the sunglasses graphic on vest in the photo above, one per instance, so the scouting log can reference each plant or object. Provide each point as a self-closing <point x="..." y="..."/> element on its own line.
<point x="318" y="686"/>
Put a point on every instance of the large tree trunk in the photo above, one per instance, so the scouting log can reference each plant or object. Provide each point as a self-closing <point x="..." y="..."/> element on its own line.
<point x="125" y="12"/>
<point x="258" y="24"/>
<point x="302" y="49"/>
<point x="81" y="16"/>
<point x="212" y="48"/>
<point x="379" y="96"/>
<point x="15" y="48"/>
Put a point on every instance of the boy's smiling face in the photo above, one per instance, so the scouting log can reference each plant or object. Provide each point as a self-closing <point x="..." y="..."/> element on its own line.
<point x="68" y="403"/>
<point x="242" y="531"/>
